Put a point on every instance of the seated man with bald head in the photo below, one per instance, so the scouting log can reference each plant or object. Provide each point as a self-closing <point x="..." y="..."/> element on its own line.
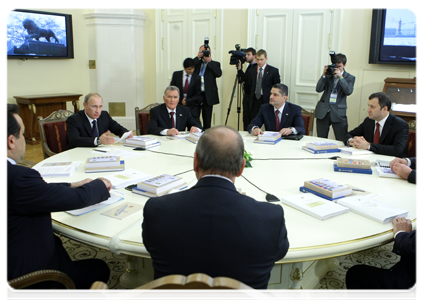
<point x="211" y="227"/>
<point x="170" y="118"/>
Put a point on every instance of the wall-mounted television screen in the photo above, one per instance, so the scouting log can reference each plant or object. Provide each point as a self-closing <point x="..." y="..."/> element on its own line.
<point x="393" y="37"/>
<point x="37" y="34"/>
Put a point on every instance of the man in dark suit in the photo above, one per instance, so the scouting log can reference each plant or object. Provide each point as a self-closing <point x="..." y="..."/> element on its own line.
<point x="169" y="118"/>
<point x="213" y="229"/>
<point x="31" y="244"/>
<point x="278" y="115"/>
<point x="261" y="82"/>
<point x="250" y="57"/>
<point x="381" y="132"/>
<point x="189" y="84"/>
<point x="405" y="168"/>
<point x="401" y="276"/>
<point x="332" y="106"/>
<point x="90" y="127"/>
<point x="208" y="70"/>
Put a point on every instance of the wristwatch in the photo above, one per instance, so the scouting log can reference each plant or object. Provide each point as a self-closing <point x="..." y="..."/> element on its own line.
<point x="98" y="142"/>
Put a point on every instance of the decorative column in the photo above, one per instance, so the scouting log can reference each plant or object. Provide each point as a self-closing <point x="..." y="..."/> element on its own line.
<point x="116" y="54"/>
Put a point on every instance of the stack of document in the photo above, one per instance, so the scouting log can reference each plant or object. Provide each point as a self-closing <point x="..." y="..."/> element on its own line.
<point x="194" y="137"/>
<point x="314" y="206"/>
<point x="104" y="164"/>
<point x="57" y="169"/>
<point x="159" y="185"/>
<point x="112" y="199"/>
<point x="354" y="151"/>
<point x="321" y="147"/>
<point x="125" y="178"/>
<point x="268" y="137"/>
<point x="142" y="141"/>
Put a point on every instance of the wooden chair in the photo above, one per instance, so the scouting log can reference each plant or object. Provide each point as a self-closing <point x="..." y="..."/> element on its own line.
<point x="142" y="117"/>
<point x="308" y="117"/>
<point x="412" y="138"/>
<point x="42" y="276"/>
<point x="406" y="296"/>
<point x="53" y="132"/>
<point x="194" y="286"/>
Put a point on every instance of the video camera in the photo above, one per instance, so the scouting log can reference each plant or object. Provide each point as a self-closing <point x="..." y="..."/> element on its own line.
<point x="331" y="68"/>
<point x="206" y="51"/>
<point x="237" y="55"/>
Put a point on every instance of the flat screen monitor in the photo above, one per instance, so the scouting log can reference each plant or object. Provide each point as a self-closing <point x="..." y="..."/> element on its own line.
<point x="393" y="37"/>
<point x="39" y="35"/>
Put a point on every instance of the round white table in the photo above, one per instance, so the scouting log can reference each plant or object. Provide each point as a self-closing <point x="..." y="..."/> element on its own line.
<point x="277" y="169"/>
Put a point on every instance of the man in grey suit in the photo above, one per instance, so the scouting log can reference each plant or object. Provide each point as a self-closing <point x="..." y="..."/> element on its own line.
<point x="332" y="106"/>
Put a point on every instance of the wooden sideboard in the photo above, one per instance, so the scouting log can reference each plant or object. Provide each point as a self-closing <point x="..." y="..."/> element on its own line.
<point x="32" y="106"/>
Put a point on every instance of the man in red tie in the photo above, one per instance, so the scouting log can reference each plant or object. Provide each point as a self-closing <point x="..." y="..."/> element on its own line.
<point x="278" y="115"/>
<point x="381" y="132"/>
<point x="189" y="84"/>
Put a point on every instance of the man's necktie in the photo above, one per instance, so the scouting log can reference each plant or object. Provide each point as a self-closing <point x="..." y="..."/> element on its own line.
<point x="186" y="86"/>
<point x="258" y="85"/>
<point x="172" y="119"/>
<point x="377" y="134"/>
<point x="277" y="123"/>
<point x="94" y="128"/>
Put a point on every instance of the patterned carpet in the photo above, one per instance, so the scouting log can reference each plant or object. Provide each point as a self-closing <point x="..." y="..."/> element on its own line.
<point x="379" y="256"/>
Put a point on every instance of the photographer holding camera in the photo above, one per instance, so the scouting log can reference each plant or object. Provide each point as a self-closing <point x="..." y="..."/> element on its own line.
<point x="208" y="70"/>
<point x="250" y="58"/>
<point x="336" y="84"/>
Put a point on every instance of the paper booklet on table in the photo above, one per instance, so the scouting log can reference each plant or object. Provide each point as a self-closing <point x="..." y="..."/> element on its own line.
<point x="267" y="142"/>
<point x="319" y="151"/>
<point x="269" y="136"/>
<point x="314" y="206"/>
<point x="386" y="172"/>
<point x="179" y="188"/>
<point x="322" y="145"/>
<point x="112" y="199"/>
<point x="328" y="187"/>
<point x="160" y="184"/>
<point x="181" y="135"/>
<point x="372" y="209"/>
<point x="141" y="141"/>
<point x="59" y="169"/>
<point x="127" y="177"/>
<point x="129" y="208"/>
<point x="354" y="151"/>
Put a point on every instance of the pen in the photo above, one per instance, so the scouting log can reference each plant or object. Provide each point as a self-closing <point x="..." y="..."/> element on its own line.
<point x="100" y="151"/>
<point x="121" y="210"/>
<point x="358" y="190"/>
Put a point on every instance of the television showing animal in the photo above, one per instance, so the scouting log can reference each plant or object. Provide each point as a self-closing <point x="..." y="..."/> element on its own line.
<point x="39" y="35"/>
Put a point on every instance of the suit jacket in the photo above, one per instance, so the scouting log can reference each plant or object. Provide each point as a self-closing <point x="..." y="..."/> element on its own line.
<point x="291" y="117"/>
<point x="194" y="98"/>
<point x="214" y="229"/>
<point x="405" y="269"/>
<point x="338" y="111"/>
<point x="79" y="132"/>
<point x="212" y="72"/>
<point x="270" y="78"/>
<point x="30" y="200"/>
<point x="160" y="119"/>
<point x="412" y="176"/>
<point x="394" y="138"/>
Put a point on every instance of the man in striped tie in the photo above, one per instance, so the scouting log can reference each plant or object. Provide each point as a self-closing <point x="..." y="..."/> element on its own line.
<point x="381" y="132"/>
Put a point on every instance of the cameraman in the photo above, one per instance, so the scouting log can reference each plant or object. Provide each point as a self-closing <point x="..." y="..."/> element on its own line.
<point x="332" y="107"/>
<point x="208" y="70"/>
<point x="250" y="58"/>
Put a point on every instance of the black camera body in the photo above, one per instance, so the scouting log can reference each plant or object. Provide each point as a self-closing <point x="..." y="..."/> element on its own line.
<point x="331" y="68"/>
<point x="237" y="55"/>
<point x="206" y="51"/>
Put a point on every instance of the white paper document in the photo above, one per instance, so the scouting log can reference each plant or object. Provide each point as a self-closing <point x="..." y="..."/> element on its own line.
<point x="373" y="209"/>
<point x="58" y="169"/>
<point x="127" y="177"/>
<point x="315" y="206"/>
<point x="112" y="199"/>
<point x="123" y="137"/>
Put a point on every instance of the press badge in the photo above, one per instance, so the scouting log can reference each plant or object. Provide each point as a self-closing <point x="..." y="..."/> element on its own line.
<point x="333" y="97"/>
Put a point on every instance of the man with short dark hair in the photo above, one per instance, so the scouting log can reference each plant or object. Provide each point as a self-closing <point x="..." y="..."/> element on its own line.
<point x="250" y="58"/>
<point x="189" y="84"/>
<point x="261" y="82"/>
<point x="91" y="127"/>
<point x="332" y="106"/>
<point x="278" y="115"/>
<point x="170" y="118"/>
<point x="31" y="244"/>
<point x="211" y="227"/>
<point x="381" y="132"/>
<point x="208" y="70"/>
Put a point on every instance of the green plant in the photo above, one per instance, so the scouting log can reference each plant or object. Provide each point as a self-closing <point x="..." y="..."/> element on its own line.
<point x="248" y="159"/>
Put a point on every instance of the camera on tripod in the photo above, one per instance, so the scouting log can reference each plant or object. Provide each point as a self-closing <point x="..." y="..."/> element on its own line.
<point x="331" y="68"/>
<point x="206" y="51"/>
<point x="237" y="55"/>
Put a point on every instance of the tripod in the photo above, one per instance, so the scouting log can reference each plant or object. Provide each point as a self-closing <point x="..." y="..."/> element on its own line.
<point x="240" y="93"/>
